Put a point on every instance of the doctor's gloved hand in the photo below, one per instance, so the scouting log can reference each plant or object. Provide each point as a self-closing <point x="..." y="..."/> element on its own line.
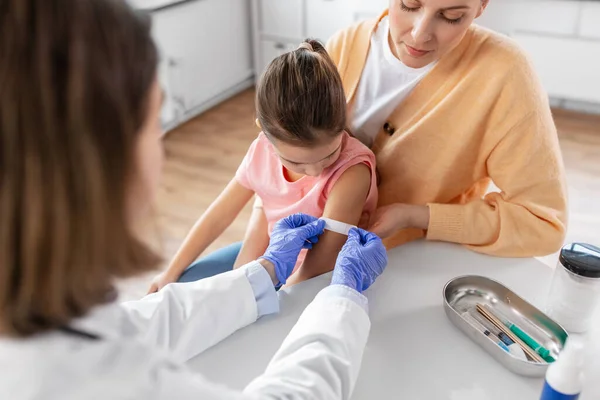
<point x="362" y="259"/>
<point x="289" y="236"/>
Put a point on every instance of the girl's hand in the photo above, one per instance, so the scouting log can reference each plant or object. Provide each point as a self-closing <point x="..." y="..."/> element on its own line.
<point x="388" y="220"/>
<point x="161" y="280"/>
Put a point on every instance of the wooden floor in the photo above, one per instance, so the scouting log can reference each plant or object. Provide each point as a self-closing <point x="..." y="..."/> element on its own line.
<point x="203" y="154"/>
<point x="580" y="143"/>
<point x="201" y="157"/>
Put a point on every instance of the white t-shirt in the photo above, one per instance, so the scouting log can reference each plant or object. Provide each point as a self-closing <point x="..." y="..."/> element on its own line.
<point x="385" y="82"/>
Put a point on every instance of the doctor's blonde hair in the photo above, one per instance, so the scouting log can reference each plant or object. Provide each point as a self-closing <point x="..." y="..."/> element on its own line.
<point x="75" y="78"/>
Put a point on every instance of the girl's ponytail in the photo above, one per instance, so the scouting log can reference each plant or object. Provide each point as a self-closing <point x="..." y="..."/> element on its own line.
<point x="300" y="97"/>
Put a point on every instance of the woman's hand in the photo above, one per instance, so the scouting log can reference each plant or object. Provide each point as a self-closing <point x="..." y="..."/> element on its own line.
<point x="390" y="219"/>
<point x="161" y="280"/>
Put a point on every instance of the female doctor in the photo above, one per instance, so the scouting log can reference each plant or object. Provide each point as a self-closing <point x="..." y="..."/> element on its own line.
<point x="79" y="159"/>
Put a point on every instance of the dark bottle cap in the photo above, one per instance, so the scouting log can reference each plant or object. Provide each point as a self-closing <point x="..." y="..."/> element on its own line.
<point x="581" y="259"/>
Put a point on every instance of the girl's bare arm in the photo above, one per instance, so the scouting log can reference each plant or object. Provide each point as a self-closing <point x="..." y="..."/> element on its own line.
<point x="345" y="204"/>
<point x="256" y="239"/>
<point x="219" y="215"/>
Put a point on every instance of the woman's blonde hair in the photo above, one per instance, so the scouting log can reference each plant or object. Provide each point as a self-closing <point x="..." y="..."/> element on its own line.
<point x="75" y="78"/>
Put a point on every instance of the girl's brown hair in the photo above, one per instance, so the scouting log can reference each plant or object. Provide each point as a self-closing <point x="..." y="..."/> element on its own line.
<point x="300" y="97"/>
<point x="75" y="78"/>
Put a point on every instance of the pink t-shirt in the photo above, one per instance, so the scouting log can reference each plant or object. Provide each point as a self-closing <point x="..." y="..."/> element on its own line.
<point x="262" y="171"/>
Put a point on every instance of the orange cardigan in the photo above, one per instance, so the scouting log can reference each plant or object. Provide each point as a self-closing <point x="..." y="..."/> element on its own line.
<point x="479" y="116"/>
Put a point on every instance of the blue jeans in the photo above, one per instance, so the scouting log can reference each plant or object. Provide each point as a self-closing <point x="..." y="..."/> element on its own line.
<point x="215" y="263"/>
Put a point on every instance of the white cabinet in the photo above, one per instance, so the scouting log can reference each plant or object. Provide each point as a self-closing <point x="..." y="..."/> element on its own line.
<point x="271" y="49"/>
<point x="280" y="25"/>
<point x="326" y="17"/>
<point x="282" y="18"/>
<point x="590" y="20"/>
<point x="561" y="37"/>
<point x="542" y="16"/>
<point x="204" y="57"/>
<point x="171" y="109"/>
<point x="557" y="75"/>
<point x="366" y="9"/>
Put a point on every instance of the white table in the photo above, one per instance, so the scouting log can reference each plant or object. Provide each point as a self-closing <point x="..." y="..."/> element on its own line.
<point x="414" y="352"/>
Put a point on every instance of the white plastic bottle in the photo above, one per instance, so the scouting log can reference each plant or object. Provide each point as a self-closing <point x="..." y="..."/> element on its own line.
<point x="591" y="371"/>
<point x="564" y="378"/>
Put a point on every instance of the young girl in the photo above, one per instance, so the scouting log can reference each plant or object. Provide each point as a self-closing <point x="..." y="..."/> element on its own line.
<point x="302" y="161"/>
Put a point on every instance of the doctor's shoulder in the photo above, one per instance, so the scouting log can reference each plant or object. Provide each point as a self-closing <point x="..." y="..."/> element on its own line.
<point x="60" y="366"/>
<point x="120" y="370"/>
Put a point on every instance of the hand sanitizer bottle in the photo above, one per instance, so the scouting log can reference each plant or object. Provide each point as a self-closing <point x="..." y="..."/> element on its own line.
<point x="591" y="372"/>
<point x="564" y="378"/>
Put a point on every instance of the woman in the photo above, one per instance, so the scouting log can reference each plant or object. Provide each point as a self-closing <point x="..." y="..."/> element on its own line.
<point x="80" y="157"/>
<point x="447" y="107"/>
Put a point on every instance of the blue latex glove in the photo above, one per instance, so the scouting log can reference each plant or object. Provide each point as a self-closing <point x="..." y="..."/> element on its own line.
<point x="362" y="259"/>
<point x="289" y="236"/>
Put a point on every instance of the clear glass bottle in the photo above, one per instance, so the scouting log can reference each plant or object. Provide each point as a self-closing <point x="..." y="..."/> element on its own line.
<point x="575" y="290"/>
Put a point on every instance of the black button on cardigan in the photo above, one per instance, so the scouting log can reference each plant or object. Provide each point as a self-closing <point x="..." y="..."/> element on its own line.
<point x="388" y="128"/>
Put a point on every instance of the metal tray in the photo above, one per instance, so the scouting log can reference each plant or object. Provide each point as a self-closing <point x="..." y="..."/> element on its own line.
<point x="463" y="293"/>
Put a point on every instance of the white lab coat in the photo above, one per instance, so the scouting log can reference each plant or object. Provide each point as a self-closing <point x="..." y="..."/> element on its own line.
<point x="143" y="346"/>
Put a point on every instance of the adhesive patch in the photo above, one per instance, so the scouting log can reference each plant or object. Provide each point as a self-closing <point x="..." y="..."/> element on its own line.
<point x="337" y="226"/>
